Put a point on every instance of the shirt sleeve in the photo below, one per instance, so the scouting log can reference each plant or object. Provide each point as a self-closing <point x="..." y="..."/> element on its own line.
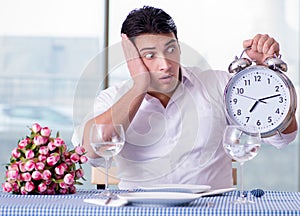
<point x="280" y="140"/>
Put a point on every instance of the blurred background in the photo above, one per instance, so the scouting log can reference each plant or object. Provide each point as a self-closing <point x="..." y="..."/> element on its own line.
<point x="45" y="46"/>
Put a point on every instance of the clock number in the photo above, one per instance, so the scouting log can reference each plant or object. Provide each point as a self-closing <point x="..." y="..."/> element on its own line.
<point x="247" y="119"/>
<point x="257" y="78"/>
<point x="239" y="112"/>
<point x="277" y="88"/>
<point x="277" y="111"/>
<point x="235" y="101"/>
<point x="269" y="119"/>
<point x="247" y="82"/>
<point x="258" y="123"/>
<point x="280" y="99"/>
<point x="240" y="90"/>
<point x="269" y="81"/>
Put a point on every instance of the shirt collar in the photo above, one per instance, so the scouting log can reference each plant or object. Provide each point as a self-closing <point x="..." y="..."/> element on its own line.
<point x="186" y="80"/>
<point x="186" y="76"/>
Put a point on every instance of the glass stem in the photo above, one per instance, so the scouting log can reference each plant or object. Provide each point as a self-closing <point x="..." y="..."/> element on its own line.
<point x="106" y="173"/>
<point x="242" y="180"/>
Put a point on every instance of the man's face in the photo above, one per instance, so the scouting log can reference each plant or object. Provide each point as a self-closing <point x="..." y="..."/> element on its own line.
<point x="161" y="55"/>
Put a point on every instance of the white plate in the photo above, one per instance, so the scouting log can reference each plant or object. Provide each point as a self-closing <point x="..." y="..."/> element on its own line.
<point x="102" y="202"/>
<point x="159" y="198"/>
<point x="183" y="188"/>
<point x="216" y="191"/>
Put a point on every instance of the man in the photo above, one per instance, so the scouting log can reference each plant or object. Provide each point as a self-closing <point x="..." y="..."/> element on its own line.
<point x="173" y="115"/>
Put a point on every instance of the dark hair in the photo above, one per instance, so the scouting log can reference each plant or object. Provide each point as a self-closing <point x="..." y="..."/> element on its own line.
<point x="148" y="20"/>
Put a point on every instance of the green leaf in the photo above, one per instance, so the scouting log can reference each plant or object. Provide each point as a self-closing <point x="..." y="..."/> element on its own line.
<point x="78" y="183"/>
<point x="33" y="146"/>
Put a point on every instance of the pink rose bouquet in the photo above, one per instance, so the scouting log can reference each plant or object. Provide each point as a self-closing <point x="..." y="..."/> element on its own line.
<point x="41" y="164"/>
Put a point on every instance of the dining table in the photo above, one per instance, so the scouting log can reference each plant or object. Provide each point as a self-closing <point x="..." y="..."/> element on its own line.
<point x="281" y="203"/>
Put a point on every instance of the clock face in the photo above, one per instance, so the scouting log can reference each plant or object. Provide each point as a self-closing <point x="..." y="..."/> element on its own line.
<point x="258" y="96"/>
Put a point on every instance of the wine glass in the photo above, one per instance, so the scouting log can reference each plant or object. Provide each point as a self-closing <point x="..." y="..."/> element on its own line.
<point x="241" y="143"/>
<point x="107" y="140"/>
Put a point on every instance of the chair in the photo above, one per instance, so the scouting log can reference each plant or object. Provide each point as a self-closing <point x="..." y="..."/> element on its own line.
<point x="98" y="177"/>
<point x="234" y="176"/>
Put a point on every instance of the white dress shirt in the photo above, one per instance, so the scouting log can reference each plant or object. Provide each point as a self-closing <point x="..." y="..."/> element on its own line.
<point x="180" y="143"/>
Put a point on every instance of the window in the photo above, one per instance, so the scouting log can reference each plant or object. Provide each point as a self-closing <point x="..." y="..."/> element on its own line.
<point x="45" y="46"/>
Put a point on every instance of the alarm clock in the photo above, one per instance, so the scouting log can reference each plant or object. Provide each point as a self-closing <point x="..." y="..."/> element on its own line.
<point x="261" y="96"/>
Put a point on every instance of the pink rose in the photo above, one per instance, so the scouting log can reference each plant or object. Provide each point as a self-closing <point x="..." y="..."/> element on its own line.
<point x="42" y="158"/>
<point x="69" y="179"/>
<point x="45" y="131"/>
<point x="22" y="167"/>
<point x="36" y="175"/>
<point x="23" y="191"/>
<point x="63" y="185"/>
<point x="7" y="187"/>
<point x="74" y="158"/>
<point x="44" y="150"/>
<point x="14" y="166"/>
<point x="15" y="153"/>
<point x="29" y="165"/>
<point x="50" y="191"/>
<point x="63" y="190"/>
<point x="64" y="165"/>
<point x="26" y="176"/>
<point x="68" y="162"/>
<point x="29" y="186"/>
<point x="42" y="187"/>
<point x="23" y="143"/>
<point x="36" y="128"/>
<point x="66" y="154"/>
<point x="79" y="150"/>
<point x="39" y="166"/>
<point x="53" y="185"/>
<point x="48" y="182"/>
<point x="83" y="159"/>
<point x="58" y="142"/>
<point x="72" y="189"/>
<point x="47" y="175"/>
<point x="39" y="140"/>
<point x="79" y="173"/>
<point x="53" y="159"/>
<point x="60" y="169"/>
<point x="12" y="174"/>
<point x="29" y="154"/>
<point x="51" y="146"/>
<point x="15" y="186"/>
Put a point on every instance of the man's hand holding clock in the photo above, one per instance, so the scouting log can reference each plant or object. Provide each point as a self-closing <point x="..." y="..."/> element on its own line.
<point x="262" y="47"/>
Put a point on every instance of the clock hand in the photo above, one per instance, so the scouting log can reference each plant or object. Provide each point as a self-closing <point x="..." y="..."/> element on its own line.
<point x="261" y="99"/>
<point x="247" y="97"/>
<point x="251" y="98"/>
<point x="254" y="105"/>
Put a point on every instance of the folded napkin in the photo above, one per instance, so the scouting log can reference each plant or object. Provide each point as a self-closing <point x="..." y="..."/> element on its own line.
<point x="112" y="203"/>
